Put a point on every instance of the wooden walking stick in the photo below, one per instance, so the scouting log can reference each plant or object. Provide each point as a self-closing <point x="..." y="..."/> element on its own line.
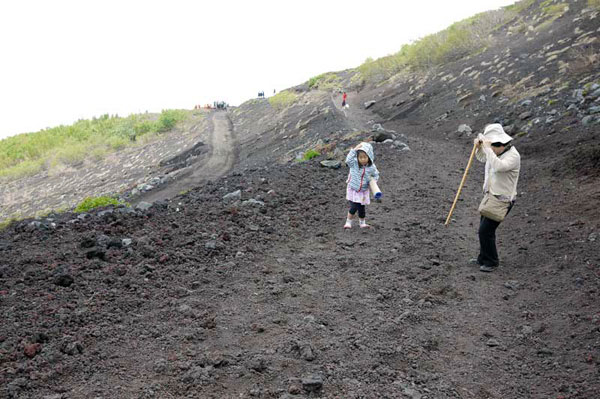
<point x="461" y="184"/>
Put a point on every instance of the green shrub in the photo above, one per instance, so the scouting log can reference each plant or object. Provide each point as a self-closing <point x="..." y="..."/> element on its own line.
<point x="169" y="118"/>
<point x="553" y="12"/>
<point x="90" y="203"/>
<point x="325" y="81"/>
<point x="457" y="41"/>
<point x="313" y="82"/>
<point x="310" y="154"/>
<point x="520" y="6"/>
<point x="26" y="154"/>
<point x="22" y="169"/>
<point x="144" y="127"/>
<point x="594" y="4"/>
<point x="6" y="223"/>
<point x="282" y="99"/>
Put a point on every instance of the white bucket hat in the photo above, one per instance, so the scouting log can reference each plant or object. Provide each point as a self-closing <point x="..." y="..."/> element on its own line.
<point x="495" y="134"/>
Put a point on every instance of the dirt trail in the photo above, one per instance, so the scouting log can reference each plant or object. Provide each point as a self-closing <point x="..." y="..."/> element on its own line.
<point x="219" y="162"/>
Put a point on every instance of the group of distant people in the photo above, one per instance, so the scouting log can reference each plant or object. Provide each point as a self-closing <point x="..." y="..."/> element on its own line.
<point x="215" y="105"/>
<point x="261" y="94"/>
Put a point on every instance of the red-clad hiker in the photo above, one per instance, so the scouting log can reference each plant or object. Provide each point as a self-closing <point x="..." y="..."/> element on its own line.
<point x="344" y="99"/>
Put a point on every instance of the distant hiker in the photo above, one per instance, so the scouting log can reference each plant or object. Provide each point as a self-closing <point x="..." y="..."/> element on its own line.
<point x="344" y="99"/>
<point x="502" y="166"/>
<point x="360" y="160"/>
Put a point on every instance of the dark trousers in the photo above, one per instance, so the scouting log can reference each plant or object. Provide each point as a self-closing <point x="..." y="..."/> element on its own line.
<point x="488" y="255"/>
<point x="355" y="206"/>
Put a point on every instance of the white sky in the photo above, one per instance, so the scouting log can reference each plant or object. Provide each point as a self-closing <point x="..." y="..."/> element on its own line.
<point x="65" y="60"/>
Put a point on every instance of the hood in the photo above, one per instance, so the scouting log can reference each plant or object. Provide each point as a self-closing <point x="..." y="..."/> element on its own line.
<point x="368" y="149"/>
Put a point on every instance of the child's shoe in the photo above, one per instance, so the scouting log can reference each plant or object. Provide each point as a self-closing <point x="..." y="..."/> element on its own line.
<point x="364" y="225"/>
<point x="348" y="224"/>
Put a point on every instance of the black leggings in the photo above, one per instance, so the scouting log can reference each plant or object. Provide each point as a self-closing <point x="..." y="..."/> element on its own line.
<point x="488" y="254"/>
<point x="355" y="206"/>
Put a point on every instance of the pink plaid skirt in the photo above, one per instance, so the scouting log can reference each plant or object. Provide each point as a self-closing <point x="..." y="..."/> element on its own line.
<point x="362" y="197"/>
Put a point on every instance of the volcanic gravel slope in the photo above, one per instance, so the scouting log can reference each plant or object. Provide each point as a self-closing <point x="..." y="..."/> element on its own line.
<point x="263" y="294"/>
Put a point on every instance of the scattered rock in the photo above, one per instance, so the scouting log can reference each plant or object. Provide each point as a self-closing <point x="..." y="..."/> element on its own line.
<point x="253" y="202"/>
<point x="96" y="252"/>
<point x="380" y="137"/>
<point x="525" y="115"/>
<point x="312" y="383"/>
<point x="258" y="364"/>
<point x="525" y="103"/>
<point x="412" y="393"/>
<point x="332" y="164"/>
<point x="143" y="206"/>
<point x="369" y="104"/>
<point x="378" y="128"/>
<point x="234" y="196"/>
<point x="63" y="279"/>
<point x="71" y="347"/>
<point x="545" y="352"/>
<point x="31" y="350"/>
<point x="465" y="129"/>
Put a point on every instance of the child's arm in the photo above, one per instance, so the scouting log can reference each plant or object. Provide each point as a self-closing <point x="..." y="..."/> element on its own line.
<point x="351" y="159"/>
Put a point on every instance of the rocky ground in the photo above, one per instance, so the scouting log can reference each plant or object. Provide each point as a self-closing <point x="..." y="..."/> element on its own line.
<point x="247" y="286"/>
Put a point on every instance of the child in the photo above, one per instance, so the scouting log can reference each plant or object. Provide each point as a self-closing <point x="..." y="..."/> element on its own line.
<point x="362" y="171"/>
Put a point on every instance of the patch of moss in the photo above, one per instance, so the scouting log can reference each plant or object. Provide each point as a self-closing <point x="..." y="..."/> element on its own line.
<point x="282" y="99"/>
<point x="90" y="203"/>
<point x="310" y="154"/>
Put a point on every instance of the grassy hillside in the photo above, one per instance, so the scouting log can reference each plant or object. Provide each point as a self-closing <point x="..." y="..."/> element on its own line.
<point x="27" y="154"/>
<point x="467" y="37"/>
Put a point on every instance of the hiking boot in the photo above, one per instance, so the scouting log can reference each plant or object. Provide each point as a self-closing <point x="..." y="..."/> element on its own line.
<point x="474" y="261"/>
<point x="486" y="268"/>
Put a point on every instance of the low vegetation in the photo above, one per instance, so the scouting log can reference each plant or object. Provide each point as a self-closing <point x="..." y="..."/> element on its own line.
<point x="325" y="81"/>
<point x="283" y="99"/>
<point x="27" y="154"/>
<point x="520" y="6"/>
<point x="90" y="203"/>
<point x="310" y="154"/>
<point x="594" y="4"/>
<point x="461" y="39"/>
<point x="7" y="222"/>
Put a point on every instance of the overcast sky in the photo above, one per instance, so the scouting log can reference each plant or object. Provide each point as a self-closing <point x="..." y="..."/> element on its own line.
<point x="66" y="60"/>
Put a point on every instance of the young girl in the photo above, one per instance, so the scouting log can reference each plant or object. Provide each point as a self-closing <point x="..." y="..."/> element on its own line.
<point x="362" y="171"/>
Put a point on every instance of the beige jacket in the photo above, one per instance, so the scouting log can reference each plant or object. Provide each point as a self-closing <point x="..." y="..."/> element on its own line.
<point x="501" y="173"/>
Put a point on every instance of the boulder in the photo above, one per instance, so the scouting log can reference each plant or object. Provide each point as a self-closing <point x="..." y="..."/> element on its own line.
<point x="369" y="104"/>
<point x="233" y="196"/>
<point x="380" y="137"/>
<point x="332" y="164"/>
<point x="465" y="129"/>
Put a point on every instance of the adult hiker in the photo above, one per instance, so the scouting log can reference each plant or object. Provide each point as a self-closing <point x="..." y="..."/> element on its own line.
<point x="502" y="166"/>
<point x="360" y="160"/>
<point x="344" y="99"/>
